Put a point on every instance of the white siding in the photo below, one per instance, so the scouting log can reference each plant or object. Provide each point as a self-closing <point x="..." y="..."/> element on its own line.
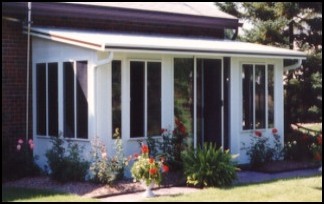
<point x="99" y="87"/>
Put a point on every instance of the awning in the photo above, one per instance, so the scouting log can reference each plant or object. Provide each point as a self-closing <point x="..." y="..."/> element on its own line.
<point x="105" y="41"/>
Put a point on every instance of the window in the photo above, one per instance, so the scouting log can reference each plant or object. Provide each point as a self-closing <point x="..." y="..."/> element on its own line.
<point x="257" y="84"/>
<point x="75" y="103"/>
<point x="47" y="99"/>
<point x="116" y="96"/>
<point x="145" y="92"/>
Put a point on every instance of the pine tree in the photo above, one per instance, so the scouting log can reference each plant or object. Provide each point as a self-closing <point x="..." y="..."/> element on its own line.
<point x="294" y="25"/>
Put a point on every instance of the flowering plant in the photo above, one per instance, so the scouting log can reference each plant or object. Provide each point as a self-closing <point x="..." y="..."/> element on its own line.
<point x="260" y="150"/>
<point x="148" y="169"/>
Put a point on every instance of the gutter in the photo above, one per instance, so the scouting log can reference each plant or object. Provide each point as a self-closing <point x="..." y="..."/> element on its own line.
<point x="293" y="66"/>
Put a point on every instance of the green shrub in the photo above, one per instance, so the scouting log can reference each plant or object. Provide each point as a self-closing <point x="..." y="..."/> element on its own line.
<point x="18" y="160"/>
<point x="106" y="169"/>
<point x="66" y="165"/>
<point x="208" y="166"/>
<point x="260" y="150"/>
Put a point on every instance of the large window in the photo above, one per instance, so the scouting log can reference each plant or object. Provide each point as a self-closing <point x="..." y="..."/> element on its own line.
<point x="47" y="99"/>
<point x="257" y="84"/>
<point x="75" y="103"/>
<point x="145" y="92"/>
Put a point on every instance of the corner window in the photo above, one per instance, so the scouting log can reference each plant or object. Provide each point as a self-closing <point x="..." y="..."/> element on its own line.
<point x="47" y="99"/>
<point x="75" y="105"/>
<point x="145" y="92"/>
<point x="258" y="92"/>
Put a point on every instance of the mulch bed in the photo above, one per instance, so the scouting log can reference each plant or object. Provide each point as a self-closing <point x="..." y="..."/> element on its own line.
<point x="93" y="190"/>
<point x="281" y="166"/>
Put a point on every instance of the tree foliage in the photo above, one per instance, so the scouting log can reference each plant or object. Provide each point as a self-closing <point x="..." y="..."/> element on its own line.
<point x="295" y="25"/>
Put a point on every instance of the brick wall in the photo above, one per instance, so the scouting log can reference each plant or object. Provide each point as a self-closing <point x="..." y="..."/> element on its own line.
<point x="14" y="51"/>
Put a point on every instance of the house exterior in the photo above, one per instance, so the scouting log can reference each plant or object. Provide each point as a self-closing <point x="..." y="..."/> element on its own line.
<point x="137" y="67"/>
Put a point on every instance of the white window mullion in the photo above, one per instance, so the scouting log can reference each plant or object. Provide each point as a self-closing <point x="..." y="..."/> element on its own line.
<point x="253" y="103"/>
<point x="60" y="98"/>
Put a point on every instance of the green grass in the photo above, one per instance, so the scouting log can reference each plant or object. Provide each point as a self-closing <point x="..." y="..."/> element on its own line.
<point x="11" y="194"/>
<point x="293" y="190"/>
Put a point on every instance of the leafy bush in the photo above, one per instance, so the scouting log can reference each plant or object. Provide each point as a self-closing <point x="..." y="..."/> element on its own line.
<point x="106" y="169"/>
<point x="208" y="166"/>
<point x="66" y="167"/>
<point x="261" y="151"/>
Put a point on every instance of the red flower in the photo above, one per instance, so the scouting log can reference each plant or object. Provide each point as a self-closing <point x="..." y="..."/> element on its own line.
<point x="317" y="156"/>
<point x="151" y="160"/>
<point x="304" y="138"/>
<point x="145" y="149"/>
<point x="319" y="139"/>
<point x="135" y="156"/>
<point x="165" y="168"/>
<point x="152" y="171"/>
<point x="178" y="122"/>
<point x="182" y="129"/>
<point x="274" y="130"/>
<point x="258" y="133"/>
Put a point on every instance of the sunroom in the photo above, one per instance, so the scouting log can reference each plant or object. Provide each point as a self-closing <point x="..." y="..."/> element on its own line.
<point x="88" y="83"/>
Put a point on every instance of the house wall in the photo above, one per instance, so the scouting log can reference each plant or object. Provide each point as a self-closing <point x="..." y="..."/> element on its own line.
<point x="99" y="88"/>
<point x="237" y="135"/>
<point x="14" y="69"/>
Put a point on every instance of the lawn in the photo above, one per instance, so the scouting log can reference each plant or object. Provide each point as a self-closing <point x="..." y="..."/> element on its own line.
<point x="293" y="190"/>
<point x="10" y="194"/>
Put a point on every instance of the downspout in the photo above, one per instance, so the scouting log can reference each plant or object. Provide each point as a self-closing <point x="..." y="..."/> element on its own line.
<point x="97" y="65"/>
<point x="28" y="61"/>
<point x="293" y="66"/>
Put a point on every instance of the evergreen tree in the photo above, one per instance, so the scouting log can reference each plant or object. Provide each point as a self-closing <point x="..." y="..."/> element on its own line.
<point x="294" y="25"/>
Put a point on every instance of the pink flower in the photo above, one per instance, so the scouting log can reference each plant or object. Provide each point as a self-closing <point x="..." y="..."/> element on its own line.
<point x="135" y="156"/>
<point x="18" y="147"/>
<point x="104" y="155"/>
<point x="20" y="141"/>
<point x="31" y="145"/>
<point x="274" y="130"/>
<point x="30" y="141"/>
<point x="258" y="133"/>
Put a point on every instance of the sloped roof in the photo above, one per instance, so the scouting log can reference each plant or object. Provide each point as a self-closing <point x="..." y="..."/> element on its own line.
<point x="185" y="8"/>
<point x="106" y="41"/>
